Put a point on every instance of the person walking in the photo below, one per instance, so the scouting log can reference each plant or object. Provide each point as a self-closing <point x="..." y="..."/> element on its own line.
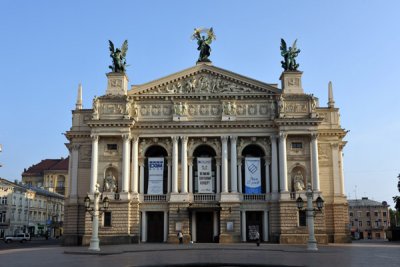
<point x="180" y="237"/>
<point x="257" y="236"/>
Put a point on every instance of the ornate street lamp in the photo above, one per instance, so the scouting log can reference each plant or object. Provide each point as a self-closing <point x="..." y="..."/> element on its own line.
<point x="312" y="242"/>
<point x="96" y="211"/>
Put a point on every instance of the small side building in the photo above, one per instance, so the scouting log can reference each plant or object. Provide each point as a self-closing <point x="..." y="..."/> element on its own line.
<point x="369" y="219"/>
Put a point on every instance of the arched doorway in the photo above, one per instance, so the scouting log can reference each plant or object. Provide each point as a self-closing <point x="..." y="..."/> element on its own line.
<point x="156" y="170"/>
<point x="253" y="170"/>
<point x="204" y="181"/>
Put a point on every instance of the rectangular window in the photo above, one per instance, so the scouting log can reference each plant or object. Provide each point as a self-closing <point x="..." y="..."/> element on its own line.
<point x="352" y="223"/>
<point x="368" y="223"/>
<point x="376" y="214"/>
<point x="351" y="214"/>
<point x="368" y="214"/>
<point x="360" y="223"/>
<point x="302" y="218"/>
<point x="112" y="147"/>
<point x="384" y="214"/>
<point x="107" y="219"/>
<point x="297" y="145"/>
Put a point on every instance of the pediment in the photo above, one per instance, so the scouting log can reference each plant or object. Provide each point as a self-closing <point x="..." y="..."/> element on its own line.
<point x="204" y="79"/>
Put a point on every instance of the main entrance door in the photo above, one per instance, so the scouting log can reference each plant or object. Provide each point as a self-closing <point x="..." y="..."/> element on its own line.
<point x="204" y="227"/>
<point x="155" y="226"/>
<point x="254" y="223"/>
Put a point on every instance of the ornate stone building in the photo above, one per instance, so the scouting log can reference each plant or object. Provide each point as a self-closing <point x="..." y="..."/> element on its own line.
<point x="208" y="152"/>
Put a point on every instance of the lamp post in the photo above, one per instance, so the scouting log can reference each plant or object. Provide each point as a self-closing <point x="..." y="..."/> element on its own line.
<point x="312" y="242"/>
<point x="96" y="211"/>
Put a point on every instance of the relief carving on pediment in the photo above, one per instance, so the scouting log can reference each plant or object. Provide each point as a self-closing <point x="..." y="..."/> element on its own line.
<point x="202" y="83"/>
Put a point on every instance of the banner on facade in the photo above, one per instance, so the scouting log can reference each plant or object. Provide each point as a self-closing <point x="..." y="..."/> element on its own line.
<point x="204" y="175"/>
<point x="253" y="176"/>
<point x="156" y="171"/>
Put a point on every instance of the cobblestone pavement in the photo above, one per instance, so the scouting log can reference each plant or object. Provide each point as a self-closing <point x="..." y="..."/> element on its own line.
<point x="337" y="255"/>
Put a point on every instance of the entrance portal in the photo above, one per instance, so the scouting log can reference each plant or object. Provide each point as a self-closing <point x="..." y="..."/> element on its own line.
<point x="204" y="227"/>
<point x="254" y="222"/>
<point x="155" y="226"/>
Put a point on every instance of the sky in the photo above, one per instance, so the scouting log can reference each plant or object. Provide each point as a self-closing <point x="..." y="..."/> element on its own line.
<point x="48" y="47"/>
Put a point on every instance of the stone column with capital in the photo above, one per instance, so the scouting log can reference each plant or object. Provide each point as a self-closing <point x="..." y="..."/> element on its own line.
<point x="267" y="178"/>
<point x="174" y="164"/>
<point x="233" y="164"/>
<point x="141" y="179"/>
<point x="184" y="165"/>
<point x="239" y="174"/>
<point x="125" y="162"/>
<point x="74" y="159"/>
<point x="190" y="162"/>
<point x="314" y="161"/>
<point x="94" y="163"/>
<point x="341" y="171"/>
<point x="218" y="176"/>
<point x="135" y="164"/>
<point x="224" y="164"/>
<point x="283" y="162"/>
<point x="335" y="169"/>
<point x="274" y="165"/>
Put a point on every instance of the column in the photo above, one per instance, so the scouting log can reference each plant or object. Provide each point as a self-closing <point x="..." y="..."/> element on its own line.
<point x="169" y="175"/>
<point x="267" y="180"/>
<point x="244" y="238"/>
<point x="190" y="175"/>
<point x="314" y="161"/>
<point x="335" y="169"/>
<point x="141" y="166"/>
<point x="239" y="172"/>
<point x="184" y="140"/>
<point x="165" y="226"/>
<point x="218" y="176"/>
<point x="265" y="226"/>
<point x="283" y="162"/>
<point x="215" y="220"/>
<point x="74" y="159"/>
<point x="144" y="227"/>
<point x="135" y="164"/>
<point x="194" y="226"/>
<point x="125" y="162"/>
<point x="341" y="171"/>
<point x="174" y="164"/>
<point x="95" y="158"/>
<point x="224" y="163"/>
<point x="233" y="164"/>
<point x="274" y="165"/>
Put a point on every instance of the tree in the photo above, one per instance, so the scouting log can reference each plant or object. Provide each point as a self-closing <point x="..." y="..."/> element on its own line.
<point x="396" y="199"/>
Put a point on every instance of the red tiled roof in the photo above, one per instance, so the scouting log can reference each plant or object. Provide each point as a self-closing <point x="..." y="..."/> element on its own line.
<point x="46" y="164"/>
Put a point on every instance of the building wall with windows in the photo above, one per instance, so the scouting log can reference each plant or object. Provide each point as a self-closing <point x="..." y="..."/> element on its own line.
<point x="208" y="152"/>
<point x="31" y="210"/>
<point x="369" y="219"/>
<point x="49" y="174"/>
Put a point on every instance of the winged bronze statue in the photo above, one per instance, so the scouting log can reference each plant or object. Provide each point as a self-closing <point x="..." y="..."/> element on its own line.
<point x="204" y="43"/>
<point x="289" y="55"/>
<point x="118" y="57"/>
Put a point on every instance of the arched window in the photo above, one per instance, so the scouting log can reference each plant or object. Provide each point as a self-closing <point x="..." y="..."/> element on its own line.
<point x="156" y="171"/>
<point x="204" y="170"/>
<point x="253" y="170"/>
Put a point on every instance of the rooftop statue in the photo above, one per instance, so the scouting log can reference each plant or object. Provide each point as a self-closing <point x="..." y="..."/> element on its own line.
<point x="289" y="56"/>
<point x="118" y="57"/>
<point x="204" y="43"/>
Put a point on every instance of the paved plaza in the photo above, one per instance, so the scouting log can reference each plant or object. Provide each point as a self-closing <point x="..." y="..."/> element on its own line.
<point x="366" y="253"/>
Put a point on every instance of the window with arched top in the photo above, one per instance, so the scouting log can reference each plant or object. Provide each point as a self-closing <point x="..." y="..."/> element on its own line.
<point x="204" y="170"/>
<point x="156" y="170"/>
<point x="253" y="170"/>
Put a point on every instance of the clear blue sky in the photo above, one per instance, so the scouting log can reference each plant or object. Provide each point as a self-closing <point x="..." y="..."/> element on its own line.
<point x="48" y="47"/>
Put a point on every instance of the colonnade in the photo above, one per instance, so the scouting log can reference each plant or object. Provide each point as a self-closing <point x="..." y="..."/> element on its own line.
<point x="134" y="175"/>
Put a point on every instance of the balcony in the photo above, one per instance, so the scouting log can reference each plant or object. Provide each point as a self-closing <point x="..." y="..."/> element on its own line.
<point x="254" y="197"/>
<point x="154" y="198"/>
<point x="204" y="197"/>
<point x="5" y="224"/>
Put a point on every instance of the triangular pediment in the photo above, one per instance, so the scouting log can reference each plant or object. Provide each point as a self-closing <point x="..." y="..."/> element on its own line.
<point x="204" y="79"/>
